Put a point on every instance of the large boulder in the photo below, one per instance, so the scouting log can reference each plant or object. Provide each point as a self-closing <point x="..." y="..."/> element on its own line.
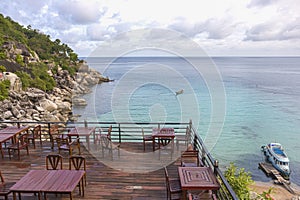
<point x="15" y="81"/>
<point x="48" y="105"/>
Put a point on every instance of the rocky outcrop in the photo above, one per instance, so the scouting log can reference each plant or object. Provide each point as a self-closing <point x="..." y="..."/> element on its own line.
<point x="37" y="105"/>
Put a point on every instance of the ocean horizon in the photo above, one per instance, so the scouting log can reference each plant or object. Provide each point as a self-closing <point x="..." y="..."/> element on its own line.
<point x="259" y="95"/>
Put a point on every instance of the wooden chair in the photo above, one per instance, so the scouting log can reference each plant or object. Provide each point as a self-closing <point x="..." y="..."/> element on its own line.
<point x="107" y="144"/>
<point x="20" y="143"/>
<point x="184" y="138"/>
<point x="190" y="158"/>
<point x="54" y="162"/>
<point x="79" y="163"/>
<point x="102" y="134"/>
<point x="36" y="134"/>
<point x="146" y="138"/>
<point x="5" y="187"/>
<point x="53" y="134"/>
<point x="173" y="186"/>
<point x="64" y="143"/>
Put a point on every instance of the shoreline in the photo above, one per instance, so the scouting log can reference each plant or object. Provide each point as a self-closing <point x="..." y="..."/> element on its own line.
<point x="278" y="193"/>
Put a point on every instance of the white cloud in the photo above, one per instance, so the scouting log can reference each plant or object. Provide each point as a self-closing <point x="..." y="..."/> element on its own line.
<point x="80" y="12"/>
<point x="221" y="26"/>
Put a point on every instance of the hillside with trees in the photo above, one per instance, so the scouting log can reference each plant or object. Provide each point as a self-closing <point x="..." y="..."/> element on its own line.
<point x="40" y="78"/>
<point x="31" y="54"/>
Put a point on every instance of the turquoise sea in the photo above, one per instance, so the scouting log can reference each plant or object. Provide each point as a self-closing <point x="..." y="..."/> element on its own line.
<point x="260" y="99"/>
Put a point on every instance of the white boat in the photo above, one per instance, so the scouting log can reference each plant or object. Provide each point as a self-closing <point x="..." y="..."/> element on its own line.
<point x="179" y="92"/>
<point x="276" y="155"/>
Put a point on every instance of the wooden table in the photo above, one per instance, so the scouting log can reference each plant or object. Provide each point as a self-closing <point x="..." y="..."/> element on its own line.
<point x="197" y="178"/>
<point x="10" y="133"/>
<point x="83" y="131"/>
<point x="49" y="181"/>
<point x="164" y="136"/>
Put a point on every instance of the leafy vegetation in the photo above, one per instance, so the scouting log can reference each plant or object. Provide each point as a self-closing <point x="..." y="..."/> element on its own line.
<point x="50" y="51"/>
<point x="4" y="88"/>
<point x="2" y="68"/>
<point x="240" y="180"/>
<point x="39" y="78"/>
<point x="35" y="41"/>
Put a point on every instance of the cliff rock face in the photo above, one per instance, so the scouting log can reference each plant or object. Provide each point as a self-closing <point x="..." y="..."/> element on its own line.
<point x="12" y="49"/>
<point x="37" y="105"/>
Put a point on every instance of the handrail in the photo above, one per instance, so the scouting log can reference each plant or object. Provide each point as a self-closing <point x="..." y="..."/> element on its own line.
<point x="133" y="129"/>
<point x="226" y="191"/>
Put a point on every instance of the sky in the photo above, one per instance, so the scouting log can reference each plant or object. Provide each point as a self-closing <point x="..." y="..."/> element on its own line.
<point x="219" y="27"/>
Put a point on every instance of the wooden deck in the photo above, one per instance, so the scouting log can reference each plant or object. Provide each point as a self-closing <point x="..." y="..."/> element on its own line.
<point x="103" y="181"/>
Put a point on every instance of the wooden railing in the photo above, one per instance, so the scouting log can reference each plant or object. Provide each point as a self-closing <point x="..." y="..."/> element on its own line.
<point x="131" y="132"/>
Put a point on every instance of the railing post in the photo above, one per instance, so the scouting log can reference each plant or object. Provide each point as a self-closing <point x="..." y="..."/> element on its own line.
<point x="203" y="155"/>
<point x="119" y="133"/>
<point x="190" y="124"/>
<point x="216" y="165"/>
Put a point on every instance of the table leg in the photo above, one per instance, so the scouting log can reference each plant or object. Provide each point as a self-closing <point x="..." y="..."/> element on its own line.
<point x="82" y="184"/>
<point x="2" y="153"/>
<point x="184" y="194"/>
<point x="153" y="143"/>
<point x="94" y="136"/>
<point x="39" y="196"/>
<point x="87" y="138"/>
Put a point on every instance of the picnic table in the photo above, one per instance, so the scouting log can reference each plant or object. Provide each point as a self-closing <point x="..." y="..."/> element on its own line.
<point x="49" y="181"/>
<point x="10" y="133"/>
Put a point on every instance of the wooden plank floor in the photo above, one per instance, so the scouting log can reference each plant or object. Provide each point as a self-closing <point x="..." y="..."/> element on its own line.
<point x="103" y="180"/>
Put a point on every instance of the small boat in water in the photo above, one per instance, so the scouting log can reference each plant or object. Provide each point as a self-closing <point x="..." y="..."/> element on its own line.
<point x="179" y="92"/>
<point x="275" y="154"/>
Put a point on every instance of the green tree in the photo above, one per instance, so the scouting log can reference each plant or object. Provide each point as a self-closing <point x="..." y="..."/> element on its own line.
<point x="25" y="79"/>
<point x="19" y="59"/>
<point x="2" y="68"/>
<point x="240" y="180"/>
<point x="4" y="89"/>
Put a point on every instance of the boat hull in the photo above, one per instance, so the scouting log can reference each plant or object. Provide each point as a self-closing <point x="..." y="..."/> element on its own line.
<point x="276" y="156"/>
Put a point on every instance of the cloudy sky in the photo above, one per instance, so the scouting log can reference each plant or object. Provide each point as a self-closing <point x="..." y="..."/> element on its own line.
<point x="220" y="27"/>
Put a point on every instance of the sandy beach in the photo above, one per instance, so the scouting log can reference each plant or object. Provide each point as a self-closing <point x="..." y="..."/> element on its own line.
<point x="279" y="192"/>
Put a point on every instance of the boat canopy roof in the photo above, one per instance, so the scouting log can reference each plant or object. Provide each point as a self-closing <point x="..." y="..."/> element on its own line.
<point x="277" y="151"/>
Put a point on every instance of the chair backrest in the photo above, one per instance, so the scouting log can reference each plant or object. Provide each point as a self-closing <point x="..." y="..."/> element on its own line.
<point x="106" y="142"/>
<point x="78" y="162"/>
<point x="37" y="131"/>
<point x="54" y="162"/>
<point x="54" y="130"/>
<point x="109" y="132"/>
<point x="167" y="130"/>
<point x="190" y="156"/>
<point x="62" y="140"/>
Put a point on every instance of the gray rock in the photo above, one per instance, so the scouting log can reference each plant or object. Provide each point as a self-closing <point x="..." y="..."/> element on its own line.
<point x="79" y="102"/>
<point x="7" y="115"/>
<point x="48" y="105"/>
<point x="16" y="112"/>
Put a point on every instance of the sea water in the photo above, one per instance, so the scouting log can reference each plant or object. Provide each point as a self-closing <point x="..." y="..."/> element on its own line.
<point x="262" y="96"/>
